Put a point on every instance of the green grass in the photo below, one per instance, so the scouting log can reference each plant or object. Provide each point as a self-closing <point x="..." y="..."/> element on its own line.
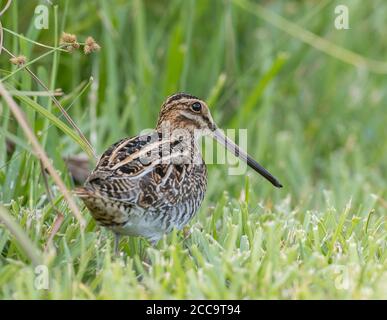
<point x="315" y="115"/>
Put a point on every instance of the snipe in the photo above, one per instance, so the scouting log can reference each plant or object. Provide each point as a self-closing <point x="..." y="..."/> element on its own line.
<point x="149" y="184"/>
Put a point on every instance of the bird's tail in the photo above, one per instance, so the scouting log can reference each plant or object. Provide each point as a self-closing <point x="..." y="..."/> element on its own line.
<point x="83" y="192"/>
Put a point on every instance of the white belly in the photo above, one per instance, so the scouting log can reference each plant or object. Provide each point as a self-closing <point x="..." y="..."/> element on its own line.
<point x="141" y="226"/>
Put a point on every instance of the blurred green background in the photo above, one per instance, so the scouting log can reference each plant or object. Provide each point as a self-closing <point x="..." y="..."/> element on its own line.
<point x="315" y="113"/>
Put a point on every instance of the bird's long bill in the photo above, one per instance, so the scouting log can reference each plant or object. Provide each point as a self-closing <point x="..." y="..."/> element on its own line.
<point x="232" y="147"/>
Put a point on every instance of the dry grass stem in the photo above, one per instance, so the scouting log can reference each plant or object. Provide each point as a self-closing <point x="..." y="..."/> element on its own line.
<point x="40" y="153"/>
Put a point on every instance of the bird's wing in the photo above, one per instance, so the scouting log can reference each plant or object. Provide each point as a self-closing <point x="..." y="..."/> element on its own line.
<point x="130" y="171"/>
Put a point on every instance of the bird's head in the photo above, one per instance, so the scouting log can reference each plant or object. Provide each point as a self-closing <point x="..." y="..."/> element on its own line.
<point x="184" y="112"/>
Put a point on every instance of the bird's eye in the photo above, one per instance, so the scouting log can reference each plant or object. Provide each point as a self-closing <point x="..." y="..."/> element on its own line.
<point x="196" y="107"/>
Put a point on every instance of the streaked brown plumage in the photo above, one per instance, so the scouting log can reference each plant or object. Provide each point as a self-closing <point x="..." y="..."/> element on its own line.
<point x="149" y="184"/>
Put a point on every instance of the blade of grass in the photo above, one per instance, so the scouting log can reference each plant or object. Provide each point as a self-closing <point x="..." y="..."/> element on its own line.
<point x="5" y="7"/>
<point x="53" y="78"/>
<point x="54" y="71"/>
<point x="57" y="122"/>
<point x="339" y="228"/>
<point x="15" y="139"/>
<point x="57" y="103"/>
<point x="25" y="243"/>
<point x="32" y="41"/>
<point x="27" y="63"/>
<point x="216" y="90"/>
<point x="20" y="117"/>
<point x="36" y="93"/>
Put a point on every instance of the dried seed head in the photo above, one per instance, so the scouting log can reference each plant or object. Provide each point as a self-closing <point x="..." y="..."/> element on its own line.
<point x="91" y="45"/>
<point x="69" y="41"/>
<point x="90" y="41"/>
<point x="68" y="38"/>
<point x="19" y="60"/>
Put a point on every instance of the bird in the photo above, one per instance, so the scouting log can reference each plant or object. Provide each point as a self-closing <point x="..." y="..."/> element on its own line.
<point x="152" y="183"/>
